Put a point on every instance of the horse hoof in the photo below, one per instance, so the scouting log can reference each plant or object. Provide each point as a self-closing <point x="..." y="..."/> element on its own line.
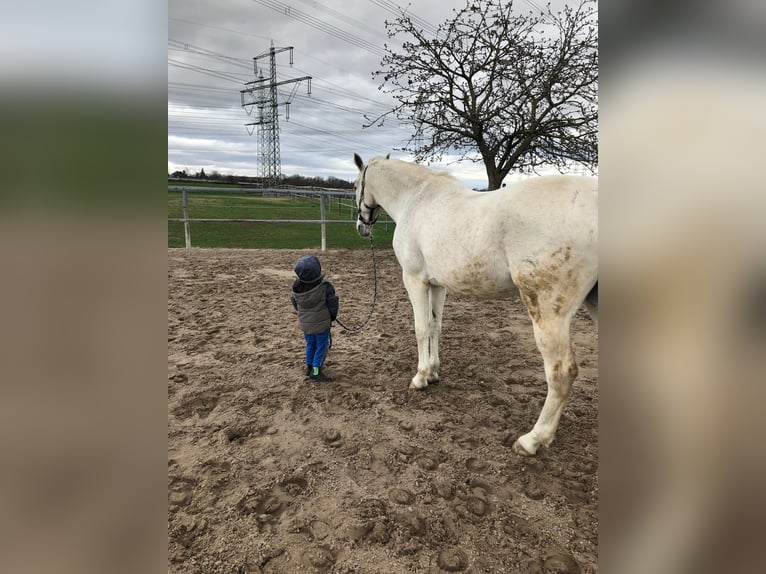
<point x="520" y="450"/>
<point x="418" y="383"/>
<point x="433" y="378"/>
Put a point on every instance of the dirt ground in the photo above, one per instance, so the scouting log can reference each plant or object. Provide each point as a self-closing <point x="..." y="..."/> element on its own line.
<point x="271" y="473"/>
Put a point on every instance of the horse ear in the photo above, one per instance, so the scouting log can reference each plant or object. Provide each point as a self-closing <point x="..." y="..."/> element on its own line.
<point x="358" y="161"/>
<point x="388" y="156"/>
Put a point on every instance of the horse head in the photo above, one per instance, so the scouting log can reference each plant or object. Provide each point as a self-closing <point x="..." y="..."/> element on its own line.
<point x="368" y="209"/>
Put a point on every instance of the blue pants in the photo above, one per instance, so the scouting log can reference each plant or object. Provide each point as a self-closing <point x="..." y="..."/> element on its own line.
<point x="316" y="348"/>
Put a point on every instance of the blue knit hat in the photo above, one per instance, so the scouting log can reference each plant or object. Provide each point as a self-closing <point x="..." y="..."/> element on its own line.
<point x="308" y="269"/>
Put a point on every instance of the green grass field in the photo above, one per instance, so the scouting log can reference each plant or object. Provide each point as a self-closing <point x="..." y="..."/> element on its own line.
<point x="268" y="235"/>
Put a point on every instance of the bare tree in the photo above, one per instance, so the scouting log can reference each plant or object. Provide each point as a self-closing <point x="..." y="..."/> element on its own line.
<point x="514" y="90"/>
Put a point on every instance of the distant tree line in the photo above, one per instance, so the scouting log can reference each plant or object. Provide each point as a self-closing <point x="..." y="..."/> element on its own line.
<point x="292" y="180"/>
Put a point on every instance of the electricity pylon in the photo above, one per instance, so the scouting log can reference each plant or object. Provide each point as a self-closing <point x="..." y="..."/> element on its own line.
<point x="262" y="94"/>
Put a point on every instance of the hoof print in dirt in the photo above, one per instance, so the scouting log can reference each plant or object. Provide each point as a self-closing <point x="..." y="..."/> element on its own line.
<point x="332" y="438"/>
<point x="520" y="529"/>
<point x="560" y="564"/>
<point x="269" y="505"/>
<point x="406" y="426"/>
<point x="477" y="506"/>
<point x="533" y="492"/>
<point x="451" y="560"/>
<point x="427" y="463"/>
<point x="476" y="464"/>
<point x="405" y="453"/>
<point x="318" y="559"/>
<point x="319" y="530"/>
<point x="181" y="492"/>
<point x="185" y="529"/>
<point x="401" y="496"/>
<point x="265" y="506"/>
<point x="294" y="486"/>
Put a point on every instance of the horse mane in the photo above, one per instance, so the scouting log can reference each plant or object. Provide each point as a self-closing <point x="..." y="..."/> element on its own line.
<point x="422" y="170"/>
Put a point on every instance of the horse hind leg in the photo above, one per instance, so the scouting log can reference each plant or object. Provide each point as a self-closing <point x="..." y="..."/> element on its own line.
<point x="560" y="372"/>
<point x="552" y="335"/>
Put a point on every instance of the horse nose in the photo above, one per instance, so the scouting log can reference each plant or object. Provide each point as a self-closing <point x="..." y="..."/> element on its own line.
<point x="362" y="229"/>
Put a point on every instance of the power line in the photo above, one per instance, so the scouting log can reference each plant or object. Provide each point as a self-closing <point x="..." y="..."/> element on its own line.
<point x="206" y="71"/>
<point x="372" y="105"/>
<point x="341" y="16"/>
<point x="396" y="10"/>
<point x="536" y="6"/>
<point x="200" y="87"/>
<point x="343" y="91"/>
<point x="178" y="46"/>
<point x="228" y="30"/>
<point x="322" y="25"/>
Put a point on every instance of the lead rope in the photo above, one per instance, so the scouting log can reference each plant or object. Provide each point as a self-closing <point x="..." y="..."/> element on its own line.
<point x="374" y="294"/>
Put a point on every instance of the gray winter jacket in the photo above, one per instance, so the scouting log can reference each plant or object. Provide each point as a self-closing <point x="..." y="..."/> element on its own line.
<point x="316" y="307"/>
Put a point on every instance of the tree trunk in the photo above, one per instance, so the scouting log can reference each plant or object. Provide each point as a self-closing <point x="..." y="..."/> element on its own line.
<point x="494" y="177"/>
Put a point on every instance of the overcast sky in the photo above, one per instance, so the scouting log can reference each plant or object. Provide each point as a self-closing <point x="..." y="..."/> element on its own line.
<point x="339" y="43"/>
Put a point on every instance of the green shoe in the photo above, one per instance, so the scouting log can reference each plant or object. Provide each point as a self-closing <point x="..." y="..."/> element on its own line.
<point x="320" y="377"/>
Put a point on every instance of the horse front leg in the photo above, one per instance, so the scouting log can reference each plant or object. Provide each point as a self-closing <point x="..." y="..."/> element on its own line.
<point x="421" y="309"/>
<point x="436" y="300"/>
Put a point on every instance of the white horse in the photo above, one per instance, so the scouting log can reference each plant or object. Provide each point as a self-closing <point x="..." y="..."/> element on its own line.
<point x="537" y="238"/>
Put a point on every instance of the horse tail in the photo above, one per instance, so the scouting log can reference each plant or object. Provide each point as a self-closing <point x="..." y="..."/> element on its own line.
<point x="591" y="303"/>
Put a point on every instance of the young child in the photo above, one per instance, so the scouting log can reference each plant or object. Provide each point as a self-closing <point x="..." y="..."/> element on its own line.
<point x="317" y="305"/>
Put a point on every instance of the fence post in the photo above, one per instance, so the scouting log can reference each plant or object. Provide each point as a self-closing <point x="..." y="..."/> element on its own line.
<point x="324" y="227"/>
<point x="187" y="235"/>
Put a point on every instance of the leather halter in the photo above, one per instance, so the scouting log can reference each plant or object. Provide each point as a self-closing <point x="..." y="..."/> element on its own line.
<point x="370" y="208"/>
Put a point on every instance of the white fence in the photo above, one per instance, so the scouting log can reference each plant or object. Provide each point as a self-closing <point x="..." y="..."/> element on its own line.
<point x="324" y="195"/>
